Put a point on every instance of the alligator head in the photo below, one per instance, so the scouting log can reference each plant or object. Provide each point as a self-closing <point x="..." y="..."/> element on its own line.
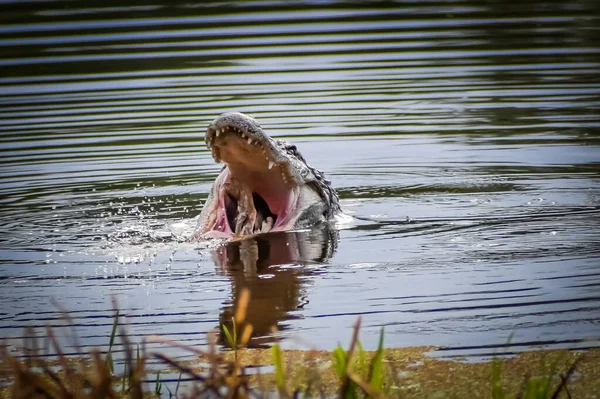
<point x="266" y="185"/>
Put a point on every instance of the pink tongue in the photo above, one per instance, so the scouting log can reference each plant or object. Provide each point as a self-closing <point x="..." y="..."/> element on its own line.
<point x="283" y="209"/>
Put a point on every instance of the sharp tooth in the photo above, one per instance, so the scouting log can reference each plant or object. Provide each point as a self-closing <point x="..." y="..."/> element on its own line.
<point x="267" y="225"/>
<point x="271" y="163"/>
<point x="218" y="132"/>
<point x="249" y="140"/>
<point x="243" y="136"/>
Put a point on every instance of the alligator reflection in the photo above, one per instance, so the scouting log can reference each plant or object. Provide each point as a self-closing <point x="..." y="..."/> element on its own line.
<point x="271" y="266"/>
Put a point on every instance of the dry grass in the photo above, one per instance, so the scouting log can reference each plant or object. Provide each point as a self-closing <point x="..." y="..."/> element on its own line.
<point x="352" y="373"/>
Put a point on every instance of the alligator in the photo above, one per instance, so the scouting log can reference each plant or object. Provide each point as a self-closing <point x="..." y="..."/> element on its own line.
<point x="265" y="185"/>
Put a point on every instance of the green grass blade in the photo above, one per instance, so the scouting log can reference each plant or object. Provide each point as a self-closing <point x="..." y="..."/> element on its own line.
<point x="497" y="390"/>
<point x="362" y="354"/>
<point x="110" y="363"/>
<point x="376" y="370"/>
<point x="113" y="334"/>
<point x="340" y="358"/>
<point x="228" y="336"/>
<point x="234" y="333"/>
<point x="158" y="386"/>
<point x="278" y="363"/>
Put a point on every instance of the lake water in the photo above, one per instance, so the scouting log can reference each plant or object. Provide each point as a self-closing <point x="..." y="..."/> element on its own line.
<point x="463" y="138"/>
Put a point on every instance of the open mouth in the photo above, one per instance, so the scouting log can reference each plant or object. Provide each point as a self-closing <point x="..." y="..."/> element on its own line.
<point x="256" y="192"/>
<point x="266" y="184"/>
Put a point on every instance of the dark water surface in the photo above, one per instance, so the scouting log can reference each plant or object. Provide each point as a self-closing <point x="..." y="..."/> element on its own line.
<point x="463" y="138"/>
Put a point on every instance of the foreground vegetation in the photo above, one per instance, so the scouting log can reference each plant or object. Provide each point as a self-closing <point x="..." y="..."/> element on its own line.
<point x="351" y="373"/>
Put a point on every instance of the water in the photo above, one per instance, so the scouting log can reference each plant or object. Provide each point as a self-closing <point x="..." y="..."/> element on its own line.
<point x="463" y="138"/>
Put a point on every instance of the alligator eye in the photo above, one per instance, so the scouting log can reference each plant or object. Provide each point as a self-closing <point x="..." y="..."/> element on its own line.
<point x="291" y="147"/>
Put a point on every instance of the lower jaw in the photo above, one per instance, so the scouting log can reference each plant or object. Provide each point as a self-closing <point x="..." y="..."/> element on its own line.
<point x="221" y="228"/>
<point x="284" y="220"/>
<point x="228" y="233"/>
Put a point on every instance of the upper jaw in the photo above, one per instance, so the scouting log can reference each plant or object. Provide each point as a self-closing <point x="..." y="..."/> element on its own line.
<point x="233" y="133"/>
<point x="218" y="130"/>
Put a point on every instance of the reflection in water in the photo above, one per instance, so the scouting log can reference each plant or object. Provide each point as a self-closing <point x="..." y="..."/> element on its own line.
<point x="271" y="266"/>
